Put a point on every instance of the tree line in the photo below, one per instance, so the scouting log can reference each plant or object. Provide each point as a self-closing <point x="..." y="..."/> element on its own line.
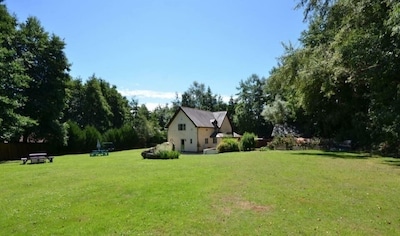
<point x="341" y="83"/>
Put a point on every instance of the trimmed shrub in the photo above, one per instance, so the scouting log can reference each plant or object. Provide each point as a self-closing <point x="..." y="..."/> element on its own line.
<point x="167" y="154"/>
<point x="248" y="142"/>
<point x="228" y="145"/>
<point x="161" y="151"/>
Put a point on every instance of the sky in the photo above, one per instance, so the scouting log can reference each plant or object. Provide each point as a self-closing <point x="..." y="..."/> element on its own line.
<point x="152" y="50"/>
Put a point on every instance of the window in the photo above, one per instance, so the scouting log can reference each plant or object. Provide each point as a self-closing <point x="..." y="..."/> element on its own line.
<point x="181" y="126"/>
<point x="206" y="140"/>
<point x="214" y="140"/>
<point x="191" y="141"/>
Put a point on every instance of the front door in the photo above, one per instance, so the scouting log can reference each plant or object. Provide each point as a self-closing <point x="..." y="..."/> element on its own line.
<point x="182" y="145"/>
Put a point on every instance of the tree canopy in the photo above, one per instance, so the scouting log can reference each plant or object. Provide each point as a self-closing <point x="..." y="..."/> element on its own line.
<point x="343" y="81"/>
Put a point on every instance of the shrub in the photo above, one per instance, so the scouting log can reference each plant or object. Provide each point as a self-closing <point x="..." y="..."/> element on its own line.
<point x="164" y="154"/>
<point x="92" y="136"/>
<point x="228" y="145"/>
<point x="161" y="151"/>
<point x="282" y="142"/>
<point x="77" y="138"/>
<point x="247" y="142"/>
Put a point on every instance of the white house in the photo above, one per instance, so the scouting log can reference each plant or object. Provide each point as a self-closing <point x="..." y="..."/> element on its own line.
<point x="192" y="130"/>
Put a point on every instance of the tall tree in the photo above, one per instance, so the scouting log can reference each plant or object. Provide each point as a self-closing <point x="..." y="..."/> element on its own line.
<point x="97" y="112"/>
<point x="119" y="105"/>
<point x="47" y="67"/>
<point x="75" y="110"/>
<point x="345" y="78"/>
<point x="250" y="103"/>
<point x="13" y="81"/>
<point x="162" y="115"/>
<point x="197" y="96"/>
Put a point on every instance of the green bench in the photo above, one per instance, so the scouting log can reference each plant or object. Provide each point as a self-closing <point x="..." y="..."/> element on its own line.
<point x="99" y="152"/>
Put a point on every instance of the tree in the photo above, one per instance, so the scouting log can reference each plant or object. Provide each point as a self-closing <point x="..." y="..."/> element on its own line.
<point x="74" y="110"/>
<point x="97" y="112"/>
<point x="118" y="104"/>
<point x="278" y="112"/>
<point x="343" y="82"/>
<point x="197" y="96"/>
<point x="13" y="81"/>
<point x="162" y="115"/>
<point x="250" y="104"/>
<point x="47" y="67"/>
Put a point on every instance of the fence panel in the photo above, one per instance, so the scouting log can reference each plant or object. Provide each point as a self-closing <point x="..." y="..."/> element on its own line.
<point x="14" y="151"/>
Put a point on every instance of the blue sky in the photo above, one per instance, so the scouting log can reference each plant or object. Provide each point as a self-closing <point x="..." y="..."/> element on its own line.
<point x="152" y="49"/>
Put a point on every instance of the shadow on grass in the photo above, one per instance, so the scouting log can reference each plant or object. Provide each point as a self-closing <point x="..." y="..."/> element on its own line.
<point x="6" y="162"/>
<point x="342" y="155"/>
<point x="392" y="162"/>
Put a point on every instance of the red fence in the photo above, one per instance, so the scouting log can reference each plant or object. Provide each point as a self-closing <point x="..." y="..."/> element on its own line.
<point x="14" y="151"/>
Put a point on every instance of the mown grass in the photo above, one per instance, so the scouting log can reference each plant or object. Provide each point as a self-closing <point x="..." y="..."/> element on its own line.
<point x="253" y="193"/>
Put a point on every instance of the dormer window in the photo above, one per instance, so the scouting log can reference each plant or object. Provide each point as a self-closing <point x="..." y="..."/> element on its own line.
<point x="181" y="126"/>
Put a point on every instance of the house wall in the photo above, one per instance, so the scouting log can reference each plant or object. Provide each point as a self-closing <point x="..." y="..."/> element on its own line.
<point x="226" y="126"/>
<point x="189" y="135"/>
<point x="203" y="134"/>
<point x="193" y="137"/>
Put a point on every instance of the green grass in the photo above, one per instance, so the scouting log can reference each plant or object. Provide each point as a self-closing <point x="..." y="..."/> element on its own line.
<point x="252" y="193"/>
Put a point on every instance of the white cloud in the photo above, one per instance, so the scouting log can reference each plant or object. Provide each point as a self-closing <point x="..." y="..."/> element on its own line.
<point x="152" y="105"/>
<point x="152" y="98"/>
<point x="148" y="94"/>
<point x="226" y="98"/>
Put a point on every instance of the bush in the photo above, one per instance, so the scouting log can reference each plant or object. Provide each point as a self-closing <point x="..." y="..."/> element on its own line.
<point x="161" y="151"/>
<point x="167" y="155"/>
<point x="77" y="138"/>
<point x="247" y="142"/>
<point x="282" y="142"/>
<point x="228" y="145"/>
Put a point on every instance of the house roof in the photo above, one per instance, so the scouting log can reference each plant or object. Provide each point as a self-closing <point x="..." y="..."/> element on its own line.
<point x="201" y="118"/>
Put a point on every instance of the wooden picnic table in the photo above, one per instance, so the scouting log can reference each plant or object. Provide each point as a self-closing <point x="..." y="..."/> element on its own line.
<point x="36" y="158"/>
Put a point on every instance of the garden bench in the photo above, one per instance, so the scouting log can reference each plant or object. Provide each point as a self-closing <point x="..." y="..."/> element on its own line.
<point x="37" y="158"/>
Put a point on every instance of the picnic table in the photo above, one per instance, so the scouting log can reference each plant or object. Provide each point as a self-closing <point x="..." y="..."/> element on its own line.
<point x="99" y="152"/>
<point x="37" y="158"/>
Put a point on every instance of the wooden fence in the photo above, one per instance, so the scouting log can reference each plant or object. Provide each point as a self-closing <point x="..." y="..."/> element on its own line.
<point x="14" y="151"/>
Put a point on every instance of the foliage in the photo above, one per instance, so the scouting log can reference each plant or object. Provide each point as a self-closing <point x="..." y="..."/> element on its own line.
<point x="282" y="142"/>
<point x="13" y="80"/>
<point x="228" y="145"/>
<point x="247" y="142"/>
<point x="123" y="138"/>
<point x="249" y="106"/>
<point x="47" y="67"/>
<point x="265" y="148"/>
<point x="92" y="137"/>
<point x="161" y="151"/>
<point x="167" y="155"/>
<point x="76" y="138"/>
<point x="278" y="111"/>
<point x="197" y="96"/>
<point x="343" y="82"/>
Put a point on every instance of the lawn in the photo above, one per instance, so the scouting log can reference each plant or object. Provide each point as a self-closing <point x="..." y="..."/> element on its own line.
<point x="253" y="193"/>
